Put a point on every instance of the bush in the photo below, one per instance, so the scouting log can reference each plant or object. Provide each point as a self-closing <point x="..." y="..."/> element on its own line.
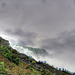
<point x="33" y="62"/>
<point x="14" y="51"/>
<point x="12" y="56"/>
<point x="1" y="66"/>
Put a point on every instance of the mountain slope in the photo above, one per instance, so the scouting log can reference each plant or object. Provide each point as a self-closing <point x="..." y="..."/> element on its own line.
<point x="15" y="63"/>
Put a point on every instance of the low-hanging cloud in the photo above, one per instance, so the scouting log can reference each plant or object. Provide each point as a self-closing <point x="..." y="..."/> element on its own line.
<point x="23" y="37"/>
<point x="65" y="42"/>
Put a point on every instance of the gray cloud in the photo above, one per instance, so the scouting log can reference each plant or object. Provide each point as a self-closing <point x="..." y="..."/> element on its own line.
<point x="62" y="47"/>
<point x="24" y="37"/>
<point x="65" y="41"/>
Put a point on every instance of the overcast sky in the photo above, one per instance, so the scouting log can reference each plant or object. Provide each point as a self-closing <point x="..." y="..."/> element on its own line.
<point x="48" y="24"/>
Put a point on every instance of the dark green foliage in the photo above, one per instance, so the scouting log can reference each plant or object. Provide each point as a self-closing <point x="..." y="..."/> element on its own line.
<point x="16" y="61"/>
<point x="14" y="51"/>
<point x="33" y="62"/>
<point x="10" y="55"/>
<point x="1" y="66"/>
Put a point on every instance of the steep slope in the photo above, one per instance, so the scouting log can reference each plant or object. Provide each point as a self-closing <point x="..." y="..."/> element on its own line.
<point x="15" y="63"/>
<point x="9" y="68"/>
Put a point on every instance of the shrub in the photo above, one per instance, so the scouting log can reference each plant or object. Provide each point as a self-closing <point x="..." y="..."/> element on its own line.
<point x="33" y="62"/>
<point x="1" y="66"/>
<point x="12" y="56"/>
<point x="14" y="51"/>
<point x="15" y="59"/>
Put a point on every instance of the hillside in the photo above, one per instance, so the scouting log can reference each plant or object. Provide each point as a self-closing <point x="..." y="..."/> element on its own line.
<point x="14" y="63"/>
